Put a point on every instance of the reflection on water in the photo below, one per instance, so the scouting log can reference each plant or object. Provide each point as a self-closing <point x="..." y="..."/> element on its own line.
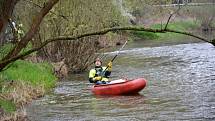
<point x="181" y="83"/>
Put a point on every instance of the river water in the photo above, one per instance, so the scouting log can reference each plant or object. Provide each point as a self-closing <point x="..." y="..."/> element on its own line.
<point x="181" y="86"/>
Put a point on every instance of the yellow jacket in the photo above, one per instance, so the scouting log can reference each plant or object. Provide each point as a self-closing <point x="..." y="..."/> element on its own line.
<point x="99" y="72"/>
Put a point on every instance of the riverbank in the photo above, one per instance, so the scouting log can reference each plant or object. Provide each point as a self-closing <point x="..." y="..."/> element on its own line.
<point x="170" y="38"/>
<point x="22" y="82"/>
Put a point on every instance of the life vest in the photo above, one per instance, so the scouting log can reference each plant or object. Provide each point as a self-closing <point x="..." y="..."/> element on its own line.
<point x="98" y="72"/>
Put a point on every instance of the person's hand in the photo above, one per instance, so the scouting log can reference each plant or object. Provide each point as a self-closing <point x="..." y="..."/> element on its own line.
<point x="98" y="78"/>
<point x="109" y="66"/>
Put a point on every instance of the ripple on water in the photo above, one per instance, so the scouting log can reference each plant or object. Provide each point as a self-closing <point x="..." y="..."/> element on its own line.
<point x="181" y="83"/>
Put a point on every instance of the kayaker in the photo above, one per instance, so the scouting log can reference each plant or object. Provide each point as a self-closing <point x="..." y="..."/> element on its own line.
<point x="99" y="75"/>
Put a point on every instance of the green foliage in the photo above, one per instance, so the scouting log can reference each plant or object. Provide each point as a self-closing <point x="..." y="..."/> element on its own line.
<point x="7" y="106"/>
<point x="145" y="35"/>
<point x="70" y="18"/>
<point x="33" y="73"/>
<point x="79" y="16"/>
<point x="1" y="84"/>
<point x="130" y="39"/>
<point x="5" y="49"/>
<point x="180" y="26"/>
<point x="24" y="72"/>
<point x="145" y="8"/>
<point x="111" y="35"/>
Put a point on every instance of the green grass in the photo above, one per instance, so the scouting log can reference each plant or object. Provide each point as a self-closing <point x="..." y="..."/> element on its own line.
<point x="7" y="106"/>
<point x="33" y="73"/>
<point x="179" y="26"/>
<point x="145" y="35"/>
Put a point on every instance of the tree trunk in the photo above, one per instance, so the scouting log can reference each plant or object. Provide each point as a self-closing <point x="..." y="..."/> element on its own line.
<point x="30" y="34"/>
<point x="7" y="8"/>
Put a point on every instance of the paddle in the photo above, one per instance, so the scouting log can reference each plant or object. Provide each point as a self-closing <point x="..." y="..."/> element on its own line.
<point x="115" y="56"/>
<point x="104" y="56"/>
<point x="119" y="51"/>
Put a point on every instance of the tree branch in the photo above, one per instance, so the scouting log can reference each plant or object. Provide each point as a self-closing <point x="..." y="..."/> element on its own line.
<point x="29" y="35"/>
<point x="102" y="32"/>
<point x="171" y="14"/>
<point x="34" y="27"/>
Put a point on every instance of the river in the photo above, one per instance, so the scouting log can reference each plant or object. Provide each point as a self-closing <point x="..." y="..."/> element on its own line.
<point x="181" y="86"/>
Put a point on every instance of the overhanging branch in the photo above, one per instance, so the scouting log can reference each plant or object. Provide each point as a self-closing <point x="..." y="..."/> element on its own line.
<point x="102" y="32"/>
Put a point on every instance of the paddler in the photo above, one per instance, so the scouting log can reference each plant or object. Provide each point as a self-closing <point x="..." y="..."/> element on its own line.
<point x="99" y="74"/>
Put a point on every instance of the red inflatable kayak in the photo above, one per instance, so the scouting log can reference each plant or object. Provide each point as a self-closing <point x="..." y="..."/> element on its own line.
<point x="120" y="87"/>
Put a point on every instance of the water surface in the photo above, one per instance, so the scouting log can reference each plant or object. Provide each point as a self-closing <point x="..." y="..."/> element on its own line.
<point x="181" y="84"/>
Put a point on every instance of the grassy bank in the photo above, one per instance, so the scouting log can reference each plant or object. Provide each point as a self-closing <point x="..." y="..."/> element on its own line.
<point x="33" y="73"/>
<point x="22" y="82"/>
<point x="187" y="26"/>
